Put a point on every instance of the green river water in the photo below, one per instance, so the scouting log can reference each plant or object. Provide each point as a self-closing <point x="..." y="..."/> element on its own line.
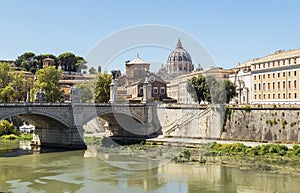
<point x="24" y="170"/>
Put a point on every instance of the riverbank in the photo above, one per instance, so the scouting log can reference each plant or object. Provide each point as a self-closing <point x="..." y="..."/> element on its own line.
<point x="254" y="156"/>
<point x="16" y="137"/>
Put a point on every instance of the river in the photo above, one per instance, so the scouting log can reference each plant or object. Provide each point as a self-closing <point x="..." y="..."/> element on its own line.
<point x="24" y="170"/>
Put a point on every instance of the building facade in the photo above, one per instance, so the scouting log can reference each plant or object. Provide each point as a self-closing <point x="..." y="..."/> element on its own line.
<point x="136" y="70"/>
<point x="275" y="78"/>
<point x="241" y="76"/>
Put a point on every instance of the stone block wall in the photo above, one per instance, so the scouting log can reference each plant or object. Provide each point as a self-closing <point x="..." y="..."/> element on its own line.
<point x="263" y="124"/>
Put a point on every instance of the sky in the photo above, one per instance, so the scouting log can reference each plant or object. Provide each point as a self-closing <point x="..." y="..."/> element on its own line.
<point x="231" y="31"/>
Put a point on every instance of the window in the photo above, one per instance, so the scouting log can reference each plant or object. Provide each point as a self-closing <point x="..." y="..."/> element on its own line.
<point x="278" y="85"/>
<point x="278" y="75"/>
<point x="269" y="96"/>
<point x="258" y="86"/>
<point x="273" y="96"/>
<point x="269" y="65"/>
<point x="295" y="61"/>
<point x="295" y="95"/>
<point x="283" y="74"/>
<point x="155" y="90"/>
<point x="283" y="96"/>
<point x="278" y="97"/>
<point x="255" y="96"/>
<point x="283" y="62"/>
<point x="290" y="96"/>
<point x="295" y="73"/>
<point x="295" y="83"/>
<point x="289" y="84"/>
<point x="254" y="86"/>
<point x="264" y="86"/>
<point x="289" y="73"/>
<point x="264" y="65"/>
<point x="254" y="77"/>
<point x="162" y="90"/>
<point x="283" y="85"/>
<point x="268" y="86"/>
<point x="278" y="63"/>
<point x="258" y="77"/>
<point x="264" y="76"/>
<point x="259" y="96"/>
<point x="273" y="75"/>
<point x="141" y="90"/>
<point x="268" y="75"/>
<point x="264" y="96"/>
<point x="273" y="85"/>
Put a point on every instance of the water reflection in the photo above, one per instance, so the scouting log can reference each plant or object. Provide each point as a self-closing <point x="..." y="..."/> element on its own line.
<point x="70" y="171"/>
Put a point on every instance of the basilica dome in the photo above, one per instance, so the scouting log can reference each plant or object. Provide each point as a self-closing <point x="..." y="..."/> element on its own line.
<point x="179" y="61"/>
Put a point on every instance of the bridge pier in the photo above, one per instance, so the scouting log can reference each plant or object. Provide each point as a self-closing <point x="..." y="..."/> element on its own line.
<point x="70" y="138"/>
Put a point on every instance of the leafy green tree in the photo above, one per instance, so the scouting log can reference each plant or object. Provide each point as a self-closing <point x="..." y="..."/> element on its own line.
<point x="21" y="86"/>
<point x="230" y="88"/>
<point x="4" y="74"/>
<point x="70" y="62"/>
<point x="92" y="70"/>
<point x="6" y="94"/>
<point x="221" y="91"/>
<point x="27" y="61"/>
<point x="87" y="90"/>
<point x="198" y="88"/>
<point x="102" y="89"/>
<point x="26" y="56"/>
<point x="211" y="90"/>
<point x="7" y="128"/>
<point x="47" y="81"/>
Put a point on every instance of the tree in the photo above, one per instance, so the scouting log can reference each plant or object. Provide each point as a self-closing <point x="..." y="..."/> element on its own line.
<point x="211" y="90"/>
<point x="198" y="88"/>
<point x="4" y="74"/>
<point x="92" y="70"/>
<point x="70" y="62"/>
<point x="86" y="91"/>
<point x="21" y="86"/>
<point x="47" y="81"/>
<point x="27" y="61"/>
<point x="102" y="89"/>
<point x="230" y="88"/>
<point x="6" y="94"/>
<point x="7" y="128"/>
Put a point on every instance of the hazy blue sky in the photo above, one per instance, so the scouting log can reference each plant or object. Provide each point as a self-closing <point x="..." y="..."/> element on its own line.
<point x="232" y="31"/>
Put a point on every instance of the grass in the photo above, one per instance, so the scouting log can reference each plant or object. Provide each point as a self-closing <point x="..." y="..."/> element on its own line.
<point x="268" y="150"/>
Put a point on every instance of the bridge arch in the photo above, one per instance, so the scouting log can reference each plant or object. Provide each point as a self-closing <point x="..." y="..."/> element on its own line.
<point x="54" y="123"/>
<point x="120" y="123"/>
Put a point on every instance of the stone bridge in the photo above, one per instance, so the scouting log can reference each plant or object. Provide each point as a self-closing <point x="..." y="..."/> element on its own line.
<point x="61" y="125"/>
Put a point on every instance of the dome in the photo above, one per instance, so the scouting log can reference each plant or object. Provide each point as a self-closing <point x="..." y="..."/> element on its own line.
<point x="179" y="60"/>
<point x="179" y="54"/>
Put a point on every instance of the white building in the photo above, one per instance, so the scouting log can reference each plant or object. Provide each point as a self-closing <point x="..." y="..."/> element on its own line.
<point x="241" y="76"/>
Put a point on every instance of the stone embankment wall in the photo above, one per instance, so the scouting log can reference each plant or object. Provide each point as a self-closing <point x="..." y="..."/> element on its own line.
<point x="276" y="123"/>
<point x="191" y="121"/>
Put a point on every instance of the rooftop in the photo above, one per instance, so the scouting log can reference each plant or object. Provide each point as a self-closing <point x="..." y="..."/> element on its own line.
<point x="138" y="60"/>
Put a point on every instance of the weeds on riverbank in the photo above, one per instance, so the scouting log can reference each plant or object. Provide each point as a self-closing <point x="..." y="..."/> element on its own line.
<point x="16" y="137"/>
<point x="93" y="140"/>
<point x="216" y="149"/>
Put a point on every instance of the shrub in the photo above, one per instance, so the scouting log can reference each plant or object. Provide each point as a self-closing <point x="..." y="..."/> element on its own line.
<point x="10" y="137"/>
<point x="284" y="123"/>
<point x="247" y="108"/>
<point x="293" y="124"/>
